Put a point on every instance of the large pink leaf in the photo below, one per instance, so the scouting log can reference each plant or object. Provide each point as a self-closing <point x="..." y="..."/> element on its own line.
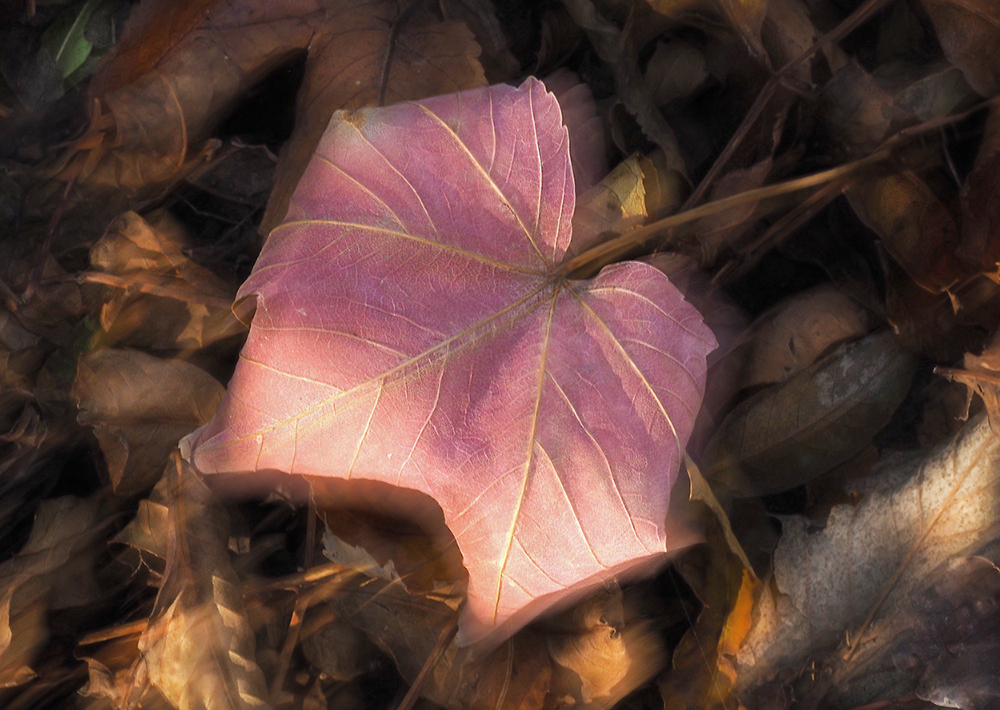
<point x="411" y="328"/>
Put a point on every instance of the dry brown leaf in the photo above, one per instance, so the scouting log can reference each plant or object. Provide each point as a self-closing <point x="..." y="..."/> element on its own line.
<point x="911" y="218"/>
<point x="795" y="333"/>
<point x="980" y="217"/>
<point x="198" y="649"/>
<point x="139" y="407"/>
<point x="914" y="225"/>
<point x="159" y="298"/>
<point x="744" y="16"/>
<point x="181" y="66"/>
<point x="788" y="434"/>
<point x="721" y="576"/>
<point x="61" y="551"/>
<point x="981" y="374"/>
<point x="616" y="47"/>
<point x="842" y="593"/>
<point x="969" y="32"/>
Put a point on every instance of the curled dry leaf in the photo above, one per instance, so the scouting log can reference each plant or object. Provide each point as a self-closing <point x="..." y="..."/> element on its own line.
<point x="788" y="434"/>
<point x="969" y="32"/>
<point x="848" y="594"/>
<point x="180" y="68"/>
<point x="61" y="547"/>
<point x="795" y="333"/>
<point x="198" y="649"/>
<point x="981" y="374"/>
<point x="160" y="299"/>
<point x="412" y="327"/>
<point x="139" y="407"/>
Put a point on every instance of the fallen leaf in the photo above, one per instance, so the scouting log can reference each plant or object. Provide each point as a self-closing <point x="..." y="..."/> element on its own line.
<point x="181" y="66"/>
<point x="788" y="434"/>
<point x="969" y="32"/>
<point x="500" y="388"/>
<point x="914" y="226"/>
<point x="979" y="208"/>
<point x="198" y="649"/>
<point x="981" y="374"/>
<point x="617" y="48"/>
<point x="795" y="333"/>
<point x="62" y="543"/>
<point x="843" y="592"/>
<point x="139" y="407"/>
<point x="159" y="298"/>
<point x="722" y="578"/>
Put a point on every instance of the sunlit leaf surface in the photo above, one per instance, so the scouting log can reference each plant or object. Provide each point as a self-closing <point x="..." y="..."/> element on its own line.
<point x="412" y="327"/>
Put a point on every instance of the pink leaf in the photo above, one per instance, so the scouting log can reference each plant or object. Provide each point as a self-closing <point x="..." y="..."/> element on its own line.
<point x="411" y="328"/>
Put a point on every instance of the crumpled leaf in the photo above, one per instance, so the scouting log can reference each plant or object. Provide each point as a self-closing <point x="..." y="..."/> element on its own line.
<point x="788" y="434"/>
<point x="545" y="416"/>
<point x="842" y="594"/>
<point x="181" y="66"/>
<point x="198" y="649"/>
<point x="139" y="407"/>
<point x="61" y="548"/>
<point x="981" y="374"/>
<point x="160" y="299"/>
<point x="969" y="32"/>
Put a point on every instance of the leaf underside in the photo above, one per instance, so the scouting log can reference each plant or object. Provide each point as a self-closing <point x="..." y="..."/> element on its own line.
<point x="411" y="327"/>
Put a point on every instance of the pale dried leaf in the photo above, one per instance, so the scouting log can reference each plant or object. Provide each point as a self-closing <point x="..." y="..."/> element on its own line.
<point x="468" y="362"/>
<point x="839" y="590"/>
<point x="199" y="649"/>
